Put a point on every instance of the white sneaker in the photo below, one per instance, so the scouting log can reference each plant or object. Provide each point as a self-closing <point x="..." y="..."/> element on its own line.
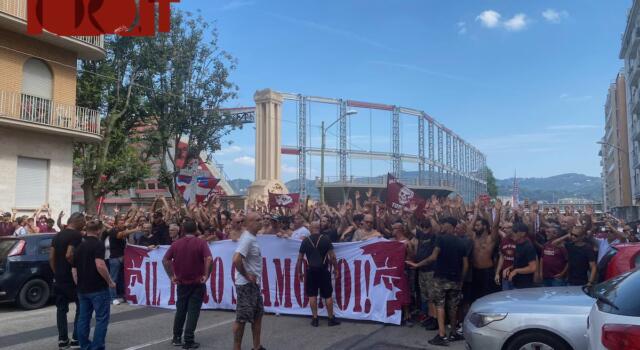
<point x="115" y="302"/>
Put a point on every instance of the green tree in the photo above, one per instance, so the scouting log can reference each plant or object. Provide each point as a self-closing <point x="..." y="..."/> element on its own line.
<point x="112" y="86"/>
<point x="492" y="188"/>
<point x="191" y="83"/>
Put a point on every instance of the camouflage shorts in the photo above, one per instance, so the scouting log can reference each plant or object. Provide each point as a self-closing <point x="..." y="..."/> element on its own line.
<point x="249" y="303"/>
<point x="426" y="284"/>
<point x="446" y="293"/>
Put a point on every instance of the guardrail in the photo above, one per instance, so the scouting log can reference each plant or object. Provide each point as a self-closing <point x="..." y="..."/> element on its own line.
<point x="18" y="9"/>
<point x="42" y="111"/>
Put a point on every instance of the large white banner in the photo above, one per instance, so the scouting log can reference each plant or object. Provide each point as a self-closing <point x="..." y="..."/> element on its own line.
<point x="370" y="282"/>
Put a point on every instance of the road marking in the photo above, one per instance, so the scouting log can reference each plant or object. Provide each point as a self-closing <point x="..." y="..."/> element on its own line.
<point x="168" y="339"/>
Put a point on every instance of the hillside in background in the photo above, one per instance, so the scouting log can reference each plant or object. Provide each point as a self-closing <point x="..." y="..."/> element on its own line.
<point x="548" y="189"/>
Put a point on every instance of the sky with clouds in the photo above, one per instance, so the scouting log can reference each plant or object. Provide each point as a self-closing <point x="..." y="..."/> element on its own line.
<point x="524" y="81"/>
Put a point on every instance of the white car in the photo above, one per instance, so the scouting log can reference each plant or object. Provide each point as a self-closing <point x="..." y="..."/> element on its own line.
<point x="614" y="320"/>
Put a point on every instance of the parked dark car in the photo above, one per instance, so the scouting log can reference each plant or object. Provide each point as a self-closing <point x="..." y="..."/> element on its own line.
<point x="25" y="275"/>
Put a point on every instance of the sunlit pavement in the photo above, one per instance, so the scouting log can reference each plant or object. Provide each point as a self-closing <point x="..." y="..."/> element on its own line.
<point x="135" y="327"/>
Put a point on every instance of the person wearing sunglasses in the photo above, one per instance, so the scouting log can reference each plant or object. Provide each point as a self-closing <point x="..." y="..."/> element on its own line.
<point x="581" y="257"/>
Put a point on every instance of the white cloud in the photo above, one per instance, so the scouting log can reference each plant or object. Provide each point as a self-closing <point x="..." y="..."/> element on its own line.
<point x="245" y="160"/>
<point x="229" y="150"/>
<point x="236" y="4"/>
<point x="489" y="18"/>
<point x="554" y="16"/>
<point x="517" y="22"/>
<point x="573" y="127"/>
<point x="462" y="28"/>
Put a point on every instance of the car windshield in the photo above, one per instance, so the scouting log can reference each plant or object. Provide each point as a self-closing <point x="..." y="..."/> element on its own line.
<point x="619" y="294"/>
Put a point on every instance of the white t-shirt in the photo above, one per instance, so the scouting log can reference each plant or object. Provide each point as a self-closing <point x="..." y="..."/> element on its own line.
<point x="252" y="258"/>
<point x="300" y="233"/>
<point x="20" y="231"/>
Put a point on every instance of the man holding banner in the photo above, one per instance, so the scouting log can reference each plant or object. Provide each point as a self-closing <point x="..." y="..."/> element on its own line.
<point x="319" y="252"/>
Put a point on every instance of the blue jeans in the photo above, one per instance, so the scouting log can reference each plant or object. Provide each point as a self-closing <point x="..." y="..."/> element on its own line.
<point x="115" y="265"/>
<point x="507" y="285"/>
<point x="100" y="302"/>
<point x="554" y="282"/>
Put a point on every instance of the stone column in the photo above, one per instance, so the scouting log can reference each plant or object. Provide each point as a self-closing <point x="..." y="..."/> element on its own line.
<point x="268" y="146"/>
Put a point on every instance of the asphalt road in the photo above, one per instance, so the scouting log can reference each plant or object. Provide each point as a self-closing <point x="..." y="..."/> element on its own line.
<point x="133" y="327"/>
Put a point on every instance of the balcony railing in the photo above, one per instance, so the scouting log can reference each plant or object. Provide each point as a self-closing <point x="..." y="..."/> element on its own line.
<point x="18" y="9"/>
<point x="50" y="113"/>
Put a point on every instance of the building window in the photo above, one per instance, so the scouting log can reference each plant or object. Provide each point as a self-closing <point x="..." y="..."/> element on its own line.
<point x="151" y="186"/>
<point x="32" y="182"/>
<point x="37" y="92"/>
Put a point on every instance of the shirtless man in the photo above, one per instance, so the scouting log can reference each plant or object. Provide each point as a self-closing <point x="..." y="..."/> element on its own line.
<point x="485" y="239"/>
<point x="366" y="231"/>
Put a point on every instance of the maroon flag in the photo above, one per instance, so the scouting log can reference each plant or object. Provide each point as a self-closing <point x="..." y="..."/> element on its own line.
<point x="283" y="200"/>
<point x="400" y="196"/>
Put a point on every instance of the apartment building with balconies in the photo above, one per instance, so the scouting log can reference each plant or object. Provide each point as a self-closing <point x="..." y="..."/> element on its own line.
<point x="39" y="118"/>
<point x="615" y="148"/>
<point x="629" y="52"/>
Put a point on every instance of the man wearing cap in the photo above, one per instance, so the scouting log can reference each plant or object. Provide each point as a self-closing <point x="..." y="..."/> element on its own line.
<point x="451" y="265"/>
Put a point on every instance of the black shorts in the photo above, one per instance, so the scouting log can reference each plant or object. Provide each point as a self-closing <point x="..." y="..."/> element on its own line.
<point x="318" y="279"/>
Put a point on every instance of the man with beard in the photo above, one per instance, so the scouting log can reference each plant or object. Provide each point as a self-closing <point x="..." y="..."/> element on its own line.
<point x="328" y="230"/>
<point x="484" y="239"/>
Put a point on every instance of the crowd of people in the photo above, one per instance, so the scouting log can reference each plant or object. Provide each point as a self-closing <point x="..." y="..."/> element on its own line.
<point x="456" y="252"/>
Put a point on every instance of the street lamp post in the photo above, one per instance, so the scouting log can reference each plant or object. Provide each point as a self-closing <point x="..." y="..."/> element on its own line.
<point x="322" y="147"/>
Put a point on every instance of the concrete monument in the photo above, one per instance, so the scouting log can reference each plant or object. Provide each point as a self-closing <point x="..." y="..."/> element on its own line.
<point x="268" y="141"/>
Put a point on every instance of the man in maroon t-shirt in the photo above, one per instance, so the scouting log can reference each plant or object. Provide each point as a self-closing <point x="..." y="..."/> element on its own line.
<point x="507" y="256"/>
<point x="7" y="227"/>
<point x="554" y="263"/>
<point x="188" y="264"/>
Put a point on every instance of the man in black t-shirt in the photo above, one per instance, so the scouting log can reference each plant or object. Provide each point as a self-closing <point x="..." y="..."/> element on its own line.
<point x="117" y="237"/>
<point x="319" y="252"/>
<point x="60" y="259"/>
<point x="582" y="259"/>
<point x="525" y="261"/>
<point x="92" y="277"/>
<point x="451" y="265"/>
<point x="426" y="243"/>
<point x="327" y="230"/>
<point x="160" y="229"/>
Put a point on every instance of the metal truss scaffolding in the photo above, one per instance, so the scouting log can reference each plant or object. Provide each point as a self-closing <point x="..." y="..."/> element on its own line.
<point x="443" y="158"/>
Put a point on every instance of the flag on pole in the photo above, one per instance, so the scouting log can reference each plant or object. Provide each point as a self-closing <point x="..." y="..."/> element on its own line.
<point x="399" y="195"/>
<point x="197" y="188"/>
<point x="205" y="188"/>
